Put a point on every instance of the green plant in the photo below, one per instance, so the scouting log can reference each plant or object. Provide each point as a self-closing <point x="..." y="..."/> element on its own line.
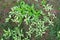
<point x="36" y="22"/>
<point x="16" y="34"/>
<point x="57" y="27"/>
<point x="58" y="35"/>
<point x="43" y="2"/>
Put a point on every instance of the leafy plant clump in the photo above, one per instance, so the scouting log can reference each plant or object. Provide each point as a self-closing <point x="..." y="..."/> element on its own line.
<point x="31" y="23"/>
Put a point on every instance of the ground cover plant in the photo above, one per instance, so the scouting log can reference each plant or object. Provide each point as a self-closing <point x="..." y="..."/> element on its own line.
<point x="30" y="22"/>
